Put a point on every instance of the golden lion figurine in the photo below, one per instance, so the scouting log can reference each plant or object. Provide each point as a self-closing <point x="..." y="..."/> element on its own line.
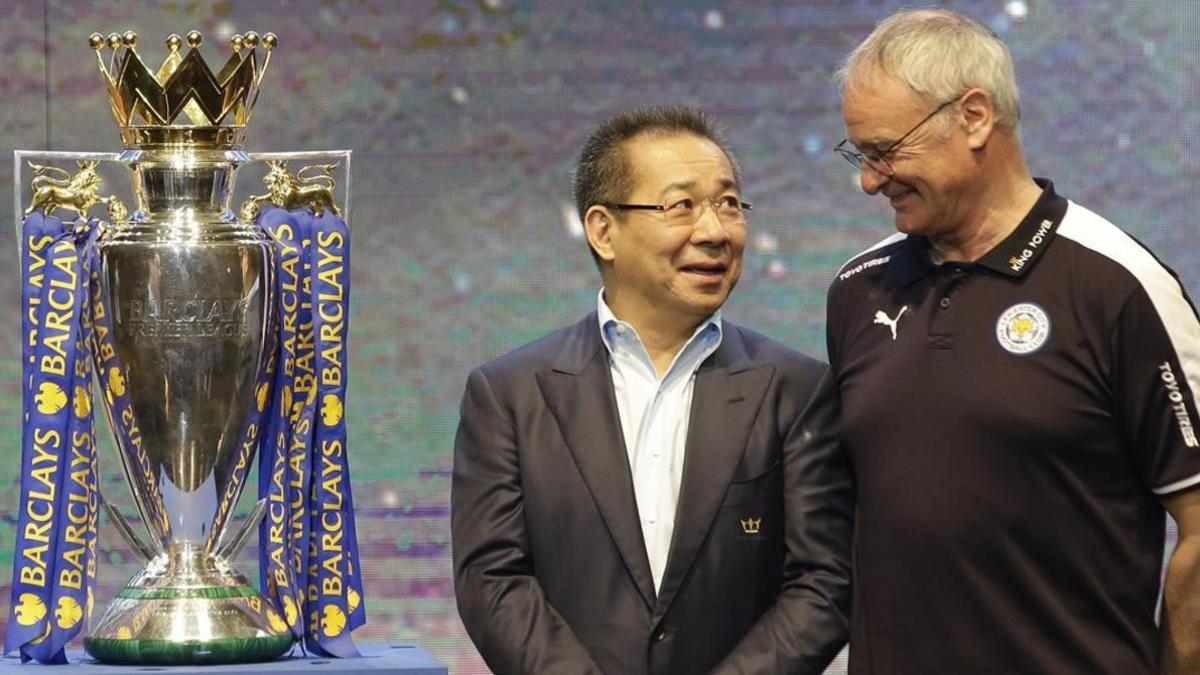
<point x="291" y="191"/>
<point x="71" y="193"/>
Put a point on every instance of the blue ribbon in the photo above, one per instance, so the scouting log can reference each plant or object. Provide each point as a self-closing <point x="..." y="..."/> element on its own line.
<point x="304" y="396"/>
<point x="38" y="233"/>
<point x="335" y="593"/>
<point x="54" y="556"/>
<point x="75" y="555"/>
<point x="303" y="472"/>
<point x="277" y="478"/>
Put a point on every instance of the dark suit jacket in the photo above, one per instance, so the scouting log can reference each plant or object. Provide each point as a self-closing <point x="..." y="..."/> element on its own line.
<point x="550" y="567"/>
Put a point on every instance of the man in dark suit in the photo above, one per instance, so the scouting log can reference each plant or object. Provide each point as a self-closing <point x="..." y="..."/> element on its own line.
<point x="653" y="489"/>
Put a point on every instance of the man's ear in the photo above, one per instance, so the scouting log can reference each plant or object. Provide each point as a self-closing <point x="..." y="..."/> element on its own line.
<point x="598" y="224"/>
<point x="978" y="118"/>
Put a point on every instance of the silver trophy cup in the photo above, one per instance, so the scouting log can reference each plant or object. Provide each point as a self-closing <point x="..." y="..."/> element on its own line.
<point x="185" y="303"/>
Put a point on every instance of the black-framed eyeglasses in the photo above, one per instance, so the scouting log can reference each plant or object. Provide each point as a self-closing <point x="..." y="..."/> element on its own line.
<point x="877" y="159"/>
<point x="729" y="209"/>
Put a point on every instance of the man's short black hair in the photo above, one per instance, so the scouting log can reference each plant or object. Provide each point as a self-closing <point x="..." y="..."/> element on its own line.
<point x="603" y="173"/>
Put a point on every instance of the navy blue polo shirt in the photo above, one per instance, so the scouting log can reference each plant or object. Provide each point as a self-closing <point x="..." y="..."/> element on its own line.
<point x="1013" y="423"/>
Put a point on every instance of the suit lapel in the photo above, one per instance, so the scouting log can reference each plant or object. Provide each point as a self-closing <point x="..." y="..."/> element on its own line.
<point x="579" y="393"/>
<point x="725" y="401"/>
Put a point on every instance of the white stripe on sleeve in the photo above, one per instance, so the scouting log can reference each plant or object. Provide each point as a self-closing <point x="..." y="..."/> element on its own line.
<point x="1178" y="317"/>
<point x="898" y="236"/>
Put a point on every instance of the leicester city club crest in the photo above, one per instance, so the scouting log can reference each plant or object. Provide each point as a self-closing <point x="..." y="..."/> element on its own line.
<point x="1023" y="328"/>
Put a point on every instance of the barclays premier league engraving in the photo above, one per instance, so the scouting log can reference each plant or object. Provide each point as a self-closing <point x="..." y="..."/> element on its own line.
<point x="214" y="341"/>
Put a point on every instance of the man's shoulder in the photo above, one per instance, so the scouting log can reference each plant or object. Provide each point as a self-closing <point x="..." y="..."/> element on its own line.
<point x="1110" y="257"/>
<point x="543" y="353"/>
<point x="1093" y="231"/>
<point x="873" y="258"/>
<point x="762" y="350"/>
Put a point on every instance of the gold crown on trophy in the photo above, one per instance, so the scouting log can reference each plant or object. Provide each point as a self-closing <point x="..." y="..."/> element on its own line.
<point x="183" y="102"/>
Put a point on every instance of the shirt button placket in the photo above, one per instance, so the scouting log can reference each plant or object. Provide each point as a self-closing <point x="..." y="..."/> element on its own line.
<point x="941" y="329"/>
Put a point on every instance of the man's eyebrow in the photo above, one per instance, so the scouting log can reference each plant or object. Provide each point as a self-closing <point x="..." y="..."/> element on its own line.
<point x="685" y="185"/>
<point x="725" y="184"/>
<point x="874" y="144"/>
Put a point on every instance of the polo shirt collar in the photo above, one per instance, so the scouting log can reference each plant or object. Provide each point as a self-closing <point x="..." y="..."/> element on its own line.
<point x="1021" y="250"/>
<point x="1013" y="257"/>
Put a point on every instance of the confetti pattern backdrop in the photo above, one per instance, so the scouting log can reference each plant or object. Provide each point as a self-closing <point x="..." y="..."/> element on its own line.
<point x="465" y="117"/>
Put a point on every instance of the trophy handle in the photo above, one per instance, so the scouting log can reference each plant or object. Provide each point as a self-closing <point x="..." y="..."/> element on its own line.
<point x="229" y="545"/>
<point x="127" y="533"/>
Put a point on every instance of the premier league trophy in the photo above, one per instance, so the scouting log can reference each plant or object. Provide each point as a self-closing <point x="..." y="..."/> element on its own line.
<point x="210" y="336"/>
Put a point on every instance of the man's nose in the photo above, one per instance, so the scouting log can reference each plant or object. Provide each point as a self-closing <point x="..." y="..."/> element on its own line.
<point x="708" y="228"/>
<point x="872" y="179"/>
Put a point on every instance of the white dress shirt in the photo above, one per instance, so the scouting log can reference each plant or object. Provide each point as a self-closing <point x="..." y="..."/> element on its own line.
<point x="654" y="417"/>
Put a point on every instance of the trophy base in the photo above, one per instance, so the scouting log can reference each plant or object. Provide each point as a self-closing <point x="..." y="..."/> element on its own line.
<point x="188" y="608"/>
<point x="169" y="653"/>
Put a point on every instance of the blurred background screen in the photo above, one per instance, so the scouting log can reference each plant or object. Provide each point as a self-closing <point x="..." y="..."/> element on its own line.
<point x="465" y="118"/>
